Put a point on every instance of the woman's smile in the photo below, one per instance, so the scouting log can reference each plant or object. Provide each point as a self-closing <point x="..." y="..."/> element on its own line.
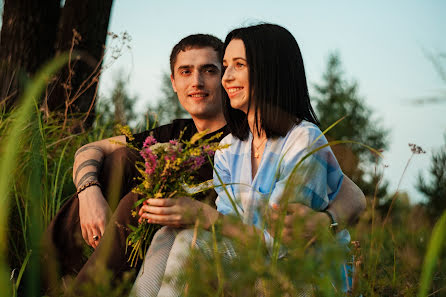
<point x="233" y="91"/>
<point x="236" y="76"/>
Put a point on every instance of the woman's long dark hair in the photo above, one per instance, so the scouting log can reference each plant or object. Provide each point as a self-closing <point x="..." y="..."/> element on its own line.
<point x="277" y="82"/>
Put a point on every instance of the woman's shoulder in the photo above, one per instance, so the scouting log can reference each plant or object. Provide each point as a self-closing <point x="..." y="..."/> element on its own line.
<point x="304" y="132"/>
<point x="231" y="139"/>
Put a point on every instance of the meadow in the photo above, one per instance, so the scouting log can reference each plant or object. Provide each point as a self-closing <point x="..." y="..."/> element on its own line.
<point x="395" y="250"/>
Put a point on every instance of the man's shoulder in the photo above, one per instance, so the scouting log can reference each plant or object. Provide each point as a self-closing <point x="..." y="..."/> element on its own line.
<point x="174" y="129"/>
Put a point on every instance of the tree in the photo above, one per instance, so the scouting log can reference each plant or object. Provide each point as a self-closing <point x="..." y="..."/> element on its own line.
<point x="335" y="98"/>
<point x="34" y="31"/>
<point x="118" y="109"/>
<point x="168" y="107"/>
<point x="435" y="189"/>
<point x="27" y="40"/>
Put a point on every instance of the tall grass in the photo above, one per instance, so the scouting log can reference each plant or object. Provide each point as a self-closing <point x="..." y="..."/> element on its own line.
<point x="403" y="257"/>
<point x="21" y="118"/>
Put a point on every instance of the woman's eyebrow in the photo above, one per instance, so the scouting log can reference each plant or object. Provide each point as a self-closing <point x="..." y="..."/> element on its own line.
<point x="236" y="58"/>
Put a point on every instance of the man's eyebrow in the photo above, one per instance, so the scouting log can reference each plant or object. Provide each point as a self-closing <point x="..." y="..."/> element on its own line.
<point x="209" y="66"/>
<point x="185" y="67"/>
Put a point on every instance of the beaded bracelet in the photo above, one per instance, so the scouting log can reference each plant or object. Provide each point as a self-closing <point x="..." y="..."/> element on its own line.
<point x="87" y="185"/>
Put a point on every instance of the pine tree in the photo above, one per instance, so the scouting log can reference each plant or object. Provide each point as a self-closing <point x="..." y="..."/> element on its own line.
<point x="435" y="189"/>
<point x="119" y="107"/>
<point x="168" y="107"/>
<point x="336" y="97"/>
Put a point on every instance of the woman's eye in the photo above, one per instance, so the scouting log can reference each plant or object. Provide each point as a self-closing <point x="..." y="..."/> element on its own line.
<point x="239" y="65"/>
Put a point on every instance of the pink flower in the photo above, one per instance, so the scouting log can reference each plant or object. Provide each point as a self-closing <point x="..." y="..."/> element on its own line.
<point x="208" y="149"/>
<point x="150" y="140"/>
<point x="173" y="142"/>
<point x="150" y="160"/>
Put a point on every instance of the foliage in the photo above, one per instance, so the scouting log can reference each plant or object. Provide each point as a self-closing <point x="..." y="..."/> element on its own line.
<point x="118" y="109"/>
<point x="168" y="107"/>
<point x="336" y="97"/>
<point x="435" y="189"/>
<point x="388" y="256"/>
<point x="40" y="182"/>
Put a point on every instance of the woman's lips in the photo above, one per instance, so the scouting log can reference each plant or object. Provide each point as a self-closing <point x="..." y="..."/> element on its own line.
<point x="233" y="91"/>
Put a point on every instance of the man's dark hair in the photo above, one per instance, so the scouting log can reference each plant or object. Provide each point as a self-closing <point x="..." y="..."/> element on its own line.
<point x="277" y="82"/>
<point x="196" y="41"/>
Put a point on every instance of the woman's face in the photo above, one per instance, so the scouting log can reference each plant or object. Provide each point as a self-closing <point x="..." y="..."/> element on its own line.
<point x="236" y="77"/>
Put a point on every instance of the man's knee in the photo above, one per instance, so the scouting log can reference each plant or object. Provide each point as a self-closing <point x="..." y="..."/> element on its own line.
<point x="118" y="172"/>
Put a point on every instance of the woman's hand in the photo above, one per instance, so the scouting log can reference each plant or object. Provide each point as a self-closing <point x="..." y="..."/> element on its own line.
<point x="311" y="219"/>
<point x="177" y="212"/>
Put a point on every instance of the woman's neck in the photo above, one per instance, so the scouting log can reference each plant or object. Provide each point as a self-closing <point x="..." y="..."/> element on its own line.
<point x="256" y="133"/>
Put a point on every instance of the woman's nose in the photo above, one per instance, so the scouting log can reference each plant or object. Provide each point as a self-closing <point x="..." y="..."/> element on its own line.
<point x="228" y="74"/>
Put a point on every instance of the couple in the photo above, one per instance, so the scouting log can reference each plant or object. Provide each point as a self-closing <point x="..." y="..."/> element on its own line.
<point x="268" y="113"/>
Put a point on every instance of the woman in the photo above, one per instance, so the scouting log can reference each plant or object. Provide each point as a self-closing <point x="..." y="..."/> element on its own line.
<point x="273" y="127"/>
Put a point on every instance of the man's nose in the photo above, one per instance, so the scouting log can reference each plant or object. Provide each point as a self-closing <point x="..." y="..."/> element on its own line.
<point x="197" y="79"/>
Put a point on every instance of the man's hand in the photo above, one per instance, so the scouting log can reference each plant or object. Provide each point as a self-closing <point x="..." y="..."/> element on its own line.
<point x="177" y="212"/>
<point x="93" y="214"/>
<point x="311" y="219"/>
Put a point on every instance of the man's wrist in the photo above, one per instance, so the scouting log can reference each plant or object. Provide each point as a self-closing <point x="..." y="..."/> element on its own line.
<point x="333" y="222"/>
<point x="90" y="184"/>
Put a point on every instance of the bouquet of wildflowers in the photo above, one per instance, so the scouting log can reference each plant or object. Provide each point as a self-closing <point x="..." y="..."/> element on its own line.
<point x="167" y="171"/>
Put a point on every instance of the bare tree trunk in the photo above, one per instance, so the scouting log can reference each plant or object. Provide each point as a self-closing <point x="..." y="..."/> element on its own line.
<point x="76" y="90"/>
<point x="26" y="42"/>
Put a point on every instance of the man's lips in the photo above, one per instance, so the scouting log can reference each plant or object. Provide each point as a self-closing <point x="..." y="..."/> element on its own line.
<point x="198" y="94"/>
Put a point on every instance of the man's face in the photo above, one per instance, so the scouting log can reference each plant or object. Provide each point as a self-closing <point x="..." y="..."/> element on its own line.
<point x="197" y="82"/>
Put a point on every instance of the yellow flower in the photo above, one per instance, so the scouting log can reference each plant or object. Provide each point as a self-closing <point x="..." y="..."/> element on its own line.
<point x="158" y="195"/>
<point x="198" y="136"/>
<point x="195" y="152"/>
<point x="126" y="131"/>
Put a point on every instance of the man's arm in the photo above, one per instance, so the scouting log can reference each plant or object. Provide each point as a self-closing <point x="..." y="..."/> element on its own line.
<point x="348" y="204"/>
<point x="93" y="208"/>
<point x="346" y="207"/>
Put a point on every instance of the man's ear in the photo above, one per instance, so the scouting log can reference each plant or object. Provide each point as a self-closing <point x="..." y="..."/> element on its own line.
<point x="172" y="80"/>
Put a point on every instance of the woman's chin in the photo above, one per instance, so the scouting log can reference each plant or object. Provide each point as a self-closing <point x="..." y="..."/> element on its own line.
<point x="239" y="107"/>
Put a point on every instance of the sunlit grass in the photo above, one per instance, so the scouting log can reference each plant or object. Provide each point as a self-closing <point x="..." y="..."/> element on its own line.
<point x="405" y="256"/>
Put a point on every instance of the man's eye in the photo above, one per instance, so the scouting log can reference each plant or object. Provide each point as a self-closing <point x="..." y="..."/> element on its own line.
<point x="210" y="70"/>
<point x="185" y="72"/>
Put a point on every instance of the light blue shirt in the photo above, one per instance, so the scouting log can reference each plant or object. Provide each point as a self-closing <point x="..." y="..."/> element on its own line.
<point x="317" y="180"/>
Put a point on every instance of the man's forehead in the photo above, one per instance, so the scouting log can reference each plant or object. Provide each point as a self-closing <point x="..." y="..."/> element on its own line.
<point x="196" y="57"/>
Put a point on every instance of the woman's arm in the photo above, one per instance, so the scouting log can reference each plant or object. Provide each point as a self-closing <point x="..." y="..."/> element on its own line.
<point x="184" y="212"/>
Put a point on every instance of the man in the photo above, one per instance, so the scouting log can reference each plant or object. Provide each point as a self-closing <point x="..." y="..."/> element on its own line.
<point x="196" y="72"/>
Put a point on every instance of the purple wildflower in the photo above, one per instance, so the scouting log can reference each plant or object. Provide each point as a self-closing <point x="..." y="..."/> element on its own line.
<point x="197" y="163"/>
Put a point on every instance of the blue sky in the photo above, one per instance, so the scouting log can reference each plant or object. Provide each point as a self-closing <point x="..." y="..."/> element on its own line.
<point x="382" y="45"/>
